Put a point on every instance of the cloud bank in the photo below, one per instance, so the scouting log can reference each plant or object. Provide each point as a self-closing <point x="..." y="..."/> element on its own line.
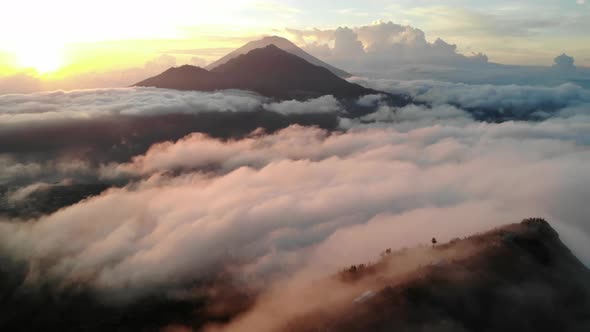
<point x="90" y="104"/>
<point x="285" y="196"/>
<point x="102" y="125"/>
<point x="507" y="101"/>
<point x="393" y="51"/>
<point x="379" y="46"/>
<point x="283" y="203"/>
<point x="325" y="104"/>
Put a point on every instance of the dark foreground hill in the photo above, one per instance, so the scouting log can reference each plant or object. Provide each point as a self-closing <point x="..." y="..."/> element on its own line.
<point x="269" y="71"/>
<point x="516" y="278"/>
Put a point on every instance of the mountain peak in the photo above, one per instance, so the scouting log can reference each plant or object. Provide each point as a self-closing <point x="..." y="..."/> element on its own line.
<point x="185" y="68"/>
<point x="272" y="47"/>
<point x="270" y="52"/>
<point x="282" y="43"/>
<point x="276" y="39"/>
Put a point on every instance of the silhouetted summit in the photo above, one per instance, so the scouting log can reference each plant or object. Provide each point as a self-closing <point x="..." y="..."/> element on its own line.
<point x="285" y="45"/>
<point x="269" y="71"/>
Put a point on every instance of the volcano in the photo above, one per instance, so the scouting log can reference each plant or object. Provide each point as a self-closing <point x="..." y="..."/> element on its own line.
<point x="285" y="45"/>
<point x="269" y="71"/>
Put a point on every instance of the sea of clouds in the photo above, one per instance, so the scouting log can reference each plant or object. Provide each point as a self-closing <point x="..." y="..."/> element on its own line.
<point x="301" y="198"/>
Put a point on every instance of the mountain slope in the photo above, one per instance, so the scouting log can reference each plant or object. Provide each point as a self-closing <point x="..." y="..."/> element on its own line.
<point x="519" y="277"/>
<point x="283" y="44"/>
<point x="273" y="71"/>
<point x="270" y="71"/>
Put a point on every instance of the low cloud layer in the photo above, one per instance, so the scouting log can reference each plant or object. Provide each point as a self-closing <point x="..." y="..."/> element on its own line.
<point x="284" y="196"/>
<point x="42" y="133"/>
<point x="325" y="104"/>
<point x="89" y="104"/>
<point x="290" y="202"/>
<point x="516" y="101"/>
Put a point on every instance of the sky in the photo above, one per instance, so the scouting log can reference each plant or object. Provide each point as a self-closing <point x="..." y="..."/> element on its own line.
<point x="62" y="38"/>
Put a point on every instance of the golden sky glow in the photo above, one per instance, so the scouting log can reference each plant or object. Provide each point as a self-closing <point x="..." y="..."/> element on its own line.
<point x="50" y="35"/>
<point x="62" y="38"/>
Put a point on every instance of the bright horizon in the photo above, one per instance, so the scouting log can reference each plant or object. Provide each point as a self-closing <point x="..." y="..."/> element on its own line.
<point x="77" y="38"/>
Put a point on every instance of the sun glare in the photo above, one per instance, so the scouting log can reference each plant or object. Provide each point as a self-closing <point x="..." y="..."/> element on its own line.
<point x="43" y="59"/>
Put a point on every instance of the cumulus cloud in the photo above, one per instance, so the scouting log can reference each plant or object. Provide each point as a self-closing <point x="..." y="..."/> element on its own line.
<point x="379" y="46"/>
<point x="346" y="43"/>
<point x="564" y="61"/>
<point x="389" y="50"/>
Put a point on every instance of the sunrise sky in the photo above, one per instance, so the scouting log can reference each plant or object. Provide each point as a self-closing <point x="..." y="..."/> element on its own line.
<point x="61" y="38"/>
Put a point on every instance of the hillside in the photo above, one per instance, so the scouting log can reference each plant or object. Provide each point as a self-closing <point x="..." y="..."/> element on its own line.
<point x="516" y="278"/>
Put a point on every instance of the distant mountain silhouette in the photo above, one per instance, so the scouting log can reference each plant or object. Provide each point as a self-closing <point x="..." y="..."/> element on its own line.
<point x="285" y="45"/>
<point x="270" y="71"/>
